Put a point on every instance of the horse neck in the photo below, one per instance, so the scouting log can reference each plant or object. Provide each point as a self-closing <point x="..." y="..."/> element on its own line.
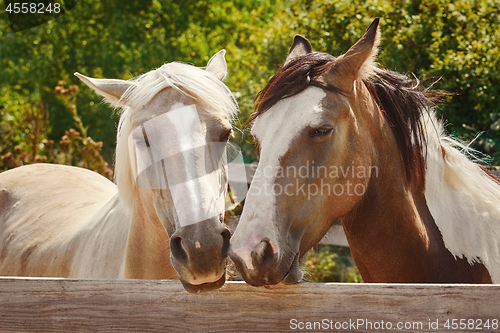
<point x="100" y="246"/>
<point x="148" y="251"/>
<point x="392" y="234"/>
<point x="386" y="228"/>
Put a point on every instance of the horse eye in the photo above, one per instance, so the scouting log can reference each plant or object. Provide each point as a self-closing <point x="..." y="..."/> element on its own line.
<point x="320" y="132"/>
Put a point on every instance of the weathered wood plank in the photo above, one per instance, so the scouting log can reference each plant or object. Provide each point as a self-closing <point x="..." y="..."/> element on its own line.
<point x="71" y="305"/>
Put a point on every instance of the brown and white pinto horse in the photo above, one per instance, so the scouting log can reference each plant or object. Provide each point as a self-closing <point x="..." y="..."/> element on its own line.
<point x="62" y="221"/>
<point x="341" y="138"/>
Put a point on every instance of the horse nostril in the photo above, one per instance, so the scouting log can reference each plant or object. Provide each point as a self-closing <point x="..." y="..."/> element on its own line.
<point x="263" y="254"/>
<point x="226" y="235"/>
<point x="178" y="251"/>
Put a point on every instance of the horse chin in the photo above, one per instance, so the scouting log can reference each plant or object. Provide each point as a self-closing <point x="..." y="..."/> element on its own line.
<point x="266" y="279"/>
<point x="294" y="274"/>
<point x="198" y="288"/>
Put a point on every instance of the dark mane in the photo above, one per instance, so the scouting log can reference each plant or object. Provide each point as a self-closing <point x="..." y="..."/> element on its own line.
<point x="402" y="100"/>
<point x="293" y="78"/>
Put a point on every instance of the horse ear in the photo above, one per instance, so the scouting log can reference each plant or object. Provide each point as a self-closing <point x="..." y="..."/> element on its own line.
<point x="360" y="60"/>
<point x="300" y="47"/>
<point x="217" y="65"/>
<point x="111" y="90"/>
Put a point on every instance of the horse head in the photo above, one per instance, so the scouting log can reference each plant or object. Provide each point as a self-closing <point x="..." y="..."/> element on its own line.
<point x="314" y="126"/>
<point x="171" y="165"/>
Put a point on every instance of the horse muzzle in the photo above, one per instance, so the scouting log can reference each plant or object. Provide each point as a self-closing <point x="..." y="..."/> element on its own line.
<point x="266" y="268"/>
<point x="199" y="255"/>
<point x="208" y="286"/>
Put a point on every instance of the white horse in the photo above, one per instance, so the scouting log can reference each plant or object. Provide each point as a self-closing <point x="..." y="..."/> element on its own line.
<point x="63" y="221"/>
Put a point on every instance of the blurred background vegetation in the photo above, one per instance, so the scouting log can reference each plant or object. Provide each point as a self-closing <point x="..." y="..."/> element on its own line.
<point x="48" y="115"/>
<point x="328" y="263"/>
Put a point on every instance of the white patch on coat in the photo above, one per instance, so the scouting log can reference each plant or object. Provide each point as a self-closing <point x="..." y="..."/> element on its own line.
<point x="463" y="200"/>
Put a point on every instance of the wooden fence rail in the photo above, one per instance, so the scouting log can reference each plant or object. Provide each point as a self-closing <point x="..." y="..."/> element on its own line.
<point x="71" y="305"/>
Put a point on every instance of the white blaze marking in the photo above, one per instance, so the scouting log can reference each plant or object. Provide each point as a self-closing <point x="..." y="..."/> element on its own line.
<point x="169" y="134"/>
<point x="173" y="146"/>
<point x="275" y="129"/>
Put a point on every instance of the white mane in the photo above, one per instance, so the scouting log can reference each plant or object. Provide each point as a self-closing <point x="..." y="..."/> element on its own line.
<point x="195" y="82"/>
<point x="463" y="200"/>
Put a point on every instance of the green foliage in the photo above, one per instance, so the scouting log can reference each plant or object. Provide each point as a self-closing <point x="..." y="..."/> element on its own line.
<point x="24" y="123"/>
<point x="122" y="39"/>
<point x="26" y="15"/>
<point x="24" y="140"/>
<point x="454" y="43"/>
<point x="330" y="264"/>
<point x="457" y="42"/>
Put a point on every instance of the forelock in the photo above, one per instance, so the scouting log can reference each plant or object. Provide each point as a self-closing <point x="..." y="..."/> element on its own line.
<point x="293" y="78"/>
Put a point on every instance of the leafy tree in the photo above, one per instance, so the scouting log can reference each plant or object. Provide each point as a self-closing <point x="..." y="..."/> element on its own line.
<point x="457" y="42"/>
<point x="326" y="263"/>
